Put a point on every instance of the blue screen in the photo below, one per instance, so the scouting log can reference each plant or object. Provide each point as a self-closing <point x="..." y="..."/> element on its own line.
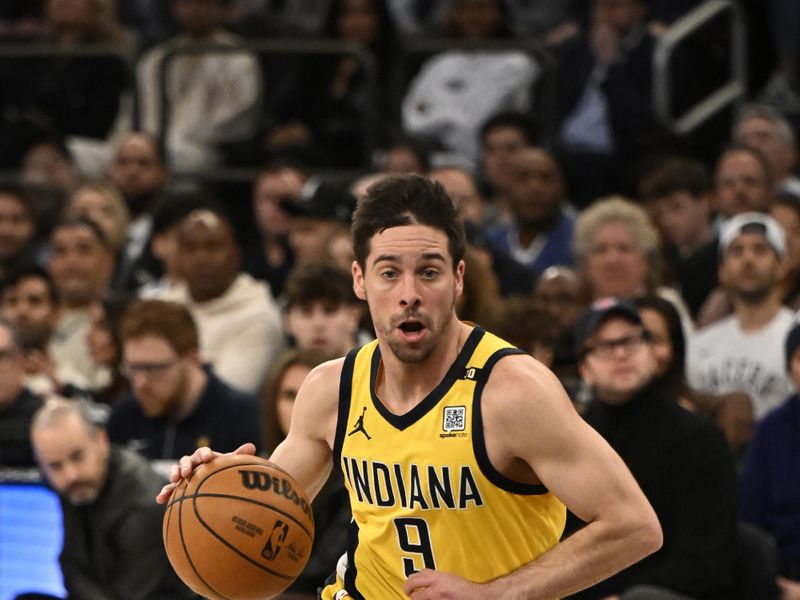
<point x="30" y="540"/>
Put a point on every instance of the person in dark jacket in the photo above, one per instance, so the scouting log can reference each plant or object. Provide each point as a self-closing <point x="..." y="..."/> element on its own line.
<point x="112" y="528"/>
<point x="176" y="404"/>
<point x="680" y="460"/>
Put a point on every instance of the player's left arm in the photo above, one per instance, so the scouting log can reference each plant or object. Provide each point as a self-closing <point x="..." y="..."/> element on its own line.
<point x="528" y="416"/>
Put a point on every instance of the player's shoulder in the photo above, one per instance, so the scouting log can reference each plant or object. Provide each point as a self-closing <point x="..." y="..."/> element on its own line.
<point x="519" y="378"/>
<point x="323" y="380"/>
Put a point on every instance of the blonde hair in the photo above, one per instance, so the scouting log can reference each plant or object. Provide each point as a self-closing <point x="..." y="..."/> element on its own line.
<point x="119" y="209"/>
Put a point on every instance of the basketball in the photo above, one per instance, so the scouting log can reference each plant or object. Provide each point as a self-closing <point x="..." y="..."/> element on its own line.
<point x="239" y="529"/>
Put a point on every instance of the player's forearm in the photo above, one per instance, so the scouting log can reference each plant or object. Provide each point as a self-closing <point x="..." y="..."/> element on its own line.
<point x="590" y="555"/>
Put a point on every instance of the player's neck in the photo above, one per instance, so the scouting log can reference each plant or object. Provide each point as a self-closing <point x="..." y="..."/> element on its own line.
<point x="404" y="385"/>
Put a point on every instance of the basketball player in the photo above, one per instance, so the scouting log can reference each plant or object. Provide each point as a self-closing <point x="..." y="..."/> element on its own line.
<point x="458" y="451"/>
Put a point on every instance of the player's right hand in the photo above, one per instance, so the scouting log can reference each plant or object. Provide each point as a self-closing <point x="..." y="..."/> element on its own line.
<point x="187" y="464"/>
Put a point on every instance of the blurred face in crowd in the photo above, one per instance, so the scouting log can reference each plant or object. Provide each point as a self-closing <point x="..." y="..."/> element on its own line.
<point x="619" y="15"/>
<point x="789" y="218"/>
<point x="158" y="375"/>
<point x="741" y="184"/>
<point x="615" y="265"/>
<point x="660" y="342"/>
<point x="16" y="226"/>
<point x="682" y="218"/>
<point x="557" y="290"/>
<point x="137" y="170"/>
<point x="402" y="159"/>
<point x="270" y="189"/>
<point x="101" y="208"/>
<point x="29" y="306"/>
<point x="323" y="326"/>
<point x="476" y="18"/>
<point x="74" y="457"/>
<point x="71" y="14"/>
<point x="207" y="257"/>
<point x="99" y="338"/>
<point x="500" y="145"/>
<point x="198" y="18"/>
<point x="12" y="370"/>
<point x="536" y="188"/>
<point x="765" y="136"/>
<point x="80" y="265"/>
<point x="46" y="165"/>
<point x="289" y="384"/>
<point x="462" y="190"/>
<point x="619" y="361"/>
<point x="750" y="268"/>
<point x="308" y="237"/>
<point x="358" y="21"/>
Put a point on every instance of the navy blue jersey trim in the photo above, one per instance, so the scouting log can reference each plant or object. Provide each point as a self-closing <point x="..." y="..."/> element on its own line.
<point x="345" y="394"/>
<point x="479" y="442"/>
<point x="351" y="573"/>
<point x="455" y="372"/>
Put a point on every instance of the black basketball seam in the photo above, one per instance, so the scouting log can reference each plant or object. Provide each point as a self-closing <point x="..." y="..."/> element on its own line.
<point x="226" y="543"/>
<point x="259" y="503"/>
<point x="186" y="551"/>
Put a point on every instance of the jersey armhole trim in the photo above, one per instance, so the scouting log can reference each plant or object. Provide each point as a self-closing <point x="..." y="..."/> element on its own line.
<point x="479" y="441"/>
<point x="345" y="389"/>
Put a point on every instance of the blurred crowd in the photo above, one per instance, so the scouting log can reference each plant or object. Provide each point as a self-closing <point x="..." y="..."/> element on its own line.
<point x="177" y="180"/>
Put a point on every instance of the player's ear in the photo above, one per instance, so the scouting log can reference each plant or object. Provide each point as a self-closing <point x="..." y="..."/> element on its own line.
<point x="460" y="277"/>
<point x="358" y="281"/>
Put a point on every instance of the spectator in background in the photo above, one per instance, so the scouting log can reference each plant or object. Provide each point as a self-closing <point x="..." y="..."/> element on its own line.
<point x="732" y="411"/>
<point x="28" y="300"/>
<point x="455" y="91"/>
<point x="17" y="403"/>
<point x="785" y="210"/>
<point x="770" y="482"/>
<point x="17" y="229"/>
<point x="677" y="194"/>
<point x="618" y="253"/>
<point x="81" y="264"/>
<point x="322" y="312"/>
<point x="681" y="461"/>
<point x="744" y="351"/>
<point x="112" y="528"/>
<point x="331" y="505"/>
<point x="139" y="171"/>
<point x="105" y="346"/>
<point x="402" y="155"/>
<point x="268" y="256"/>
<point x="47" y="163"/>
<point x="743" y="183"/>
<point x="175" y="404"/>
<point x="605" y="120"/>
<point x="501" y="137"/>
<point x="314" y="218"/>
<point x="463" y="191"/>
<point x="540" y="232"/>
<point x="238" y="319"/>
<point x="527" y="324"/>
<point x="76" y="96"/>
<point x="481" y="291"/>
<point x="767" y="130"/>
<point x="211" y="98"/>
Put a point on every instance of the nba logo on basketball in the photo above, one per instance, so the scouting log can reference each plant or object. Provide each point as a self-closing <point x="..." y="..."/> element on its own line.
<point x="275" y="541"/>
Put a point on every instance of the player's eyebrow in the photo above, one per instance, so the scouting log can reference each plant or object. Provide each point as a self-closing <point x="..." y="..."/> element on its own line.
<point x="386" y="258"/>
<point x="426" y="256"/>
<point x="433" y="256"/>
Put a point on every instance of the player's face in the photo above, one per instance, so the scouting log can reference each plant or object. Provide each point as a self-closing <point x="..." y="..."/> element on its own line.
<point x="323" y="326"/>
<point x="158" y="375"/>
<point x="620" y="361"/>
<point x="73" y="458"/>
<point x="411" y="288"/>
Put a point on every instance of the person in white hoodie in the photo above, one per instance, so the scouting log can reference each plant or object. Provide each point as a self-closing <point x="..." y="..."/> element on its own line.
<point x="238" y="319"/>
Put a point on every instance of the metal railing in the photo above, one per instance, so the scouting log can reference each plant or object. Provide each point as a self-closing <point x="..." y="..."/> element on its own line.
<point x="730" y="93"/>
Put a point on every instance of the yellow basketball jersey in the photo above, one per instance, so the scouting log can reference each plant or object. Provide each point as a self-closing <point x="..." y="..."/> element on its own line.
<point x="422" y="490"/>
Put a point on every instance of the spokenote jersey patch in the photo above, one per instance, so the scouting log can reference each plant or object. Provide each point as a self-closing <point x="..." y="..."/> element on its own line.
<point x="454" y="422"/>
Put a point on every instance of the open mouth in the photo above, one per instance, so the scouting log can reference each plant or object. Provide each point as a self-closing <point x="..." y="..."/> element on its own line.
<point x="412" y="330"/>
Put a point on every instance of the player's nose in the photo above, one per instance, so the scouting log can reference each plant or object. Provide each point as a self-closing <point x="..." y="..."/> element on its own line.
<point x="410" y="291"/>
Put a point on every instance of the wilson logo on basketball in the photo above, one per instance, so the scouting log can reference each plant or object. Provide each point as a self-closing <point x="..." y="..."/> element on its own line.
<point x="258" y="480"/>
<point x="275" y="541"/>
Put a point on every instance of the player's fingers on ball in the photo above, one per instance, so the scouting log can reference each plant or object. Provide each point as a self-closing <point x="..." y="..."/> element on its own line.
<point x="165" y="493"/>
<point x="186" y="465"/>
<point x="175" y="474"/>
<point x="247" y="448"/>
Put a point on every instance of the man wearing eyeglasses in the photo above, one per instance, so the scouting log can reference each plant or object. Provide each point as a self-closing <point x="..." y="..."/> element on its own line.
<point x="680" y="460"/>
<point x="176" y="403"/>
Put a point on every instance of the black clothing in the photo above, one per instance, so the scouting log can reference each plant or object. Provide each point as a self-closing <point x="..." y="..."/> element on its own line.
<point x="112" y="547"/>
<point x="224" y="419"/>
<point x="697" y="275"/>
<point x="254" y="263"/>
<point x="15" y="424"/>
<point x="684" y="467"/>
